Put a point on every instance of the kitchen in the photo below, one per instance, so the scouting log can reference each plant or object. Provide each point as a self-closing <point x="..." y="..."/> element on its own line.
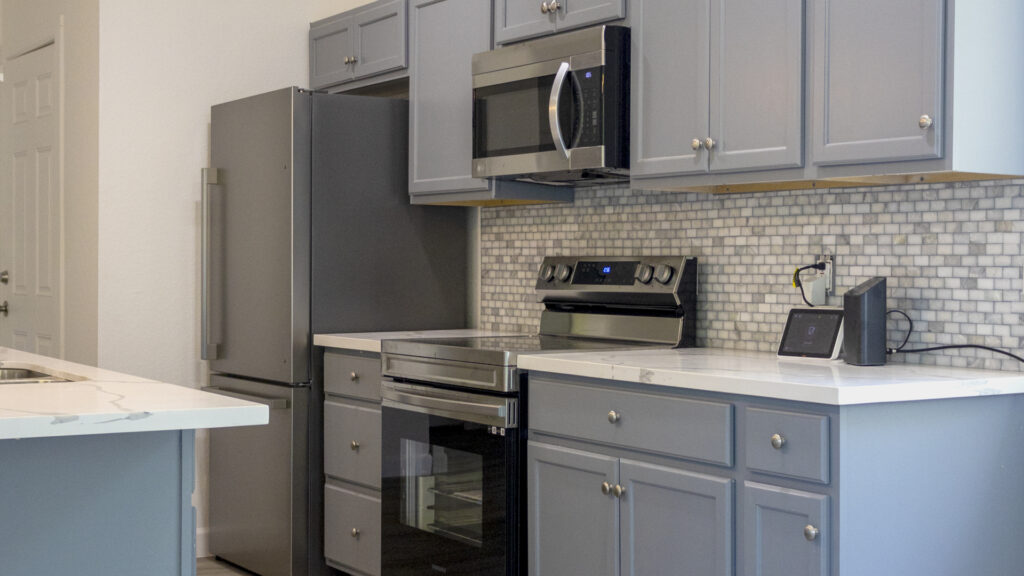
<point x="133" y="199"/>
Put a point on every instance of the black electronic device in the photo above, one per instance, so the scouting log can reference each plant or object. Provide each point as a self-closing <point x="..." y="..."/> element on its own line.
<point x="813" y="333"/>
<point x="864" y="338"/>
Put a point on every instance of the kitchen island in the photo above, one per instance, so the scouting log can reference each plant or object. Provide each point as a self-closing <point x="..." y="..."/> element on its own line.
<point x="97" y="468"/>
<point x="760" y="465"/>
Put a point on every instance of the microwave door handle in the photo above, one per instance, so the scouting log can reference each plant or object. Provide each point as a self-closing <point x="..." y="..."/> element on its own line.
<point x="556" y="92"/>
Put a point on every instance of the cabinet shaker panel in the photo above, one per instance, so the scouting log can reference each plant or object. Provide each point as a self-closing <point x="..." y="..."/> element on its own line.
<point x="786" y="532"/>
<point x="580" y="13"/>
<point x="330" y="51"/>
<point x="878" y="80"/>
<point x="380" y="39"/>
<point x="520" y="19"/>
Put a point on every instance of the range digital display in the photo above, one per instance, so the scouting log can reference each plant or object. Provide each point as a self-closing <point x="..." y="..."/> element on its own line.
<point x="605" y="273"/>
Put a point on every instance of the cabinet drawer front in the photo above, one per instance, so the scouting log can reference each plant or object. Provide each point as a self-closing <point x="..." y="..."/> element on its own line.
<point x="787" y="444"/>
<point x="785" y="532"/>
<point x="694" y="429"/>
<point x="355" y="376"/>
<point x="352" y="530"/>
<point x="352" y="437"/>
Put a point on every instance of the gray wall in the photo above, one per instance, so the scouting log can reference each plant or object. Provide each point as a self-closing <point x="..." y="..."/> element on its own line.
<point x="951" y="252"/>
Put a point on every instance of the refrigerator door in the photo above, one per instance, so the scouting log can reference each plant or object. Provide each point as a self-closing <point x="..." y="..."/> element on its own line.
<point x="257" y="222"/>
<point x="258" y="482"/>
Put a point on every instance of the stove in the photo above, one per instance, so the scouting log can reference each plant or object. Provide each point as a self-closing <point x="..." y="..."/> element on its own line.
<point x="454" y="421"/>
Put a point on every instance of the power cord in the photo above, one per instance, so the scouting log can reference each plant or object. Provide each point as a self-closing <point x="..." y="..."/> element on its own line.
<point x="902" y="350"/>
<point x="798" y="284"/>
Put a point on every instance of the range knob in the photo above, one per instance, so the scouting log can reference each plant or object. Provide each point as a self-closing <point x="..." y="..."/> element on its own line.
<point x="663" y="273"/>
<point x="547" y="273"/>
<point x="644" y="273"/>
<point x="562" y="272"/>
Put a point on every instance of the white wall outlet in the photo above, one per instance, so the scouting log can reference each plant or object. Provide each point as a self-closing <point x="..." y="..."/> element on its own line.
<point x="822" y="286"/>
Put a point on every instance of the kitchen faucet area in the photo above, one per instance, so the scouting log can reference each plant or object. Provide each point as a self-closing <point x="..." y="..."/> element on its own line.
<point x="511" y="287"/>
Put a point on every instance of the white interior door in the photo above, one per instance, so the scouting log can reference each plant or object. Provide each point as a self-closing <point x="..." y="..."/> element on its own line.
<point x="32" y="217"/>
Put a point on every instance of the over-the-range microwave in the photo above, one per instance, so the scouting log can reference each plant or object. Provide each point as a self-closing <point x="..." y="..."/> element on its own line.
<point x="554" y="110"/>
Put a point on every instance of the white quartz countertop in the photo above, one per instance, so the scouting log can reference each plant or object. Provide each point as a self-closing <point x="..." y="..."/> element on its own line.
<point x="370" y="341"/>
<point x="764" y="374"/>
<point x="100" y="401"/>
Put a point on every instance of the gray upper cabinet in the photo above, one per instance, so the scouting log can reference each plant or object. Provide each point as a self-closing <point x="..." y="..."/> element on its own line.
<point x="786" y="532"/>
<point x="878" y="80"/>
<point x="728" y="98"/>
<point x="521" y="19"/>
<point x="360" y="43"/>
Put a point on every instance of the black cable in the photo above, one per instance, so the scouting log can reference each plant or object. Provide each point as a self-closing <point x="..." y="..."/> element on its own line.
<point x="802" y="295"/>
<point x="798" y="284"/>
<point x="902" y="350"/>
<point x="907" y="336"/>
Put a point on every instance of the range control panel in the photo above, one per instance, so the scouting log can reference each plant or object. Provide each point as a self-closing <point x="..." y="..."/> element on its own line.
<point x="586" y="279"/>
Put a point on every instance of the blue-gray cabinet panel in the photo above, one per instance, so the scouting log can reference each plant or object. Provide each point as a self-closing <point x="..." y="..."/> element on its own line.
<point x="580" y="13"/>
<point x="675" y="522"/>
<point x="670" y="87"/>
<point x="330" y="48"/>
<point x="444" y="35"/>
<point x="573" y="526"/>
<point x="352" y="443"/>
<point x="520" y="19"/>
<point x="774" y="540"/>
<point x="804" y="450"/>
<point x="380" y="38"/>
<point x="878" y="68"/>
<point x="352" y="530"/>
<point x="757" y="56"/>
<point x="354" y="375"/>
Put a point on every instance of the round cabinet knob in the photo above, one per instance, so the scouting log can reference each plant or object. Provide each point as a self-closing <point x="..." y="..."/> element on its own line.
<point x="606" y="488"/>
<point x="354" y="60"/>
<point x="778" y="441"/>
<point x="353" y="375"/>
<point x="614" y="416"/>
<point x="709" y="143"/>
<point x="543" y="7"/>
<point x="811" y="533"/>
<point x="355" y="532"/>
<point x="618" y="491"/>
<point x="547" y="273"/>
<point x="562" y="272"/>
<point x="645" y="273"/>
<point x="553" y="6"/>
<point x="925" y="122"/>
<point x="348" y="60"/>
<point x="663" y="273"/>
<point x="355" y="445"/>
<point x="696" y="144"/>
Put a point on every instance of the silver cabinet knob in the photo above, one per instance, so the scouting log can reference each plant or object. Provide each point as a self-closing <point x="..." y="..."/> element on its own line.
<point x="356" y="532"/>
<point x="3" y="308"/>
<point x="543" y="7"/>
<point x="695" y="144"/>
<point x="618" y="490"/>
<point x="778" y="441"/>
<point x="614" y="416"/>
<point x="925" y="122"/>
<point x="348" y="60"/>
<point x="5" y="277"/>
<point x="553" y="6"/>
<point x="811" y="533"/>
<point x="355" y="445"/>
<point x="353" y="376"/>
<point x="354" y="60"/>
<point x="606" y="488"/>
<point x="709" y="143"/>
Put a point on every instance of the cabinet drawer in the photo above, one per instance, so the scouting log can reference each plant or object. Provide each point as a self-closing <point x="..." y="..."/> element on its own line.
<point x="352" y="530"/>
<point x="688" y="428"/>
<point x="788" y="444"/>
<point x="350" y="375"/>
<point x="352" y="438"/>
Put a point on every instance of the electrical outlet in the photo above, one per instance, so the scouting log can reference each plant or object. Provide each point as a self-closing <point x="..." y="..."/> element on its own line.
<point x="822" y="285"/>
<point x="828" y="274"/>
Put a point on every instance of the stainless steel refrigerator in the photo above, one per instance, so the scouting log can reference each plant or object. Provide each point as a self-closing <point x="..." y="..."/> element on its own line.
<point x="307" y="228"/>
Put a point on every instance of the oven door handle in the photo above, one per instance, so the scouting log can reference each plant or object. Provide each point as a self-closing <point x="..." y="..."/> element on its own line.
<point x="556" y="93"/>
<point x="500" y="412"/>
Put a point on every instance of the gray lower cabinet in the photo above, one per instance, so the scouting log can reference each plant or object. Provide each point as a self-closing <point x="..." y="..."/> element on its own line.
<point x="728" y="98"/>
<point x="352" y="456"/>
<point x="786" y="531"/>
<point x="878" y="80"/>
<point x="360" y="43"/>
<point x="521" y="19"/>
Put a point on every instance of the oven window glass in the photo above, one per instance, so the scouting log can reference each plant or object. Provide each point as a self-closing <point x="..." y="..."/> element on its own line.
<point x="442" y="491"/>
<point x="512" y="118"/>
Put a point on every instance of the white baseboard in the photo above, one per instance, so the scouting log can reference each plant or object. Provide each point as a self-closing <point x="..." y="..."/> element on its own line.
<point x="202" y="542"/>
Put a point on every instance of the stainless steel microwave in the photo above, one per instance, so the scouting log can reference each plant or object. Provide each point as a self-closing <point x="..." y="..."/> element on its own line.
<point x="554" y="110"/>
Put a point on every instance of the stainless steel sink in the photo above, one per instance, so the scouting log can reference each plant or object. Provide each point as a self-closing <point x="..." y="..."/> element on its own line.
<point x="24" y="375"/>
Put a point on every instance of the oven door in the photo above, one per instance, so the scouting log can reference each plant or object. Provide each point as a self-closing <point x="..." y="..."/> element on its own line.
<point x="450" y="471"/>
<point x="544" y="117"/>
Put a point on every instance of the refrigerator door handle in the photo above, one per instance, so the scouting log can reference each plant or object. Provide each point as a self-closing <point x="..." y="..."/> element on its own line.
<point x="208" y="350"/>
<point x="272" y="403"/>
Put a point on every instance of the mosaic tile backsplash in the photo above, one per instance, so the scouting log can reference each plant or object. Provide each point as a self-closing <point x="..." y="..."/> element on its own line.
<point x="951" y="253"/>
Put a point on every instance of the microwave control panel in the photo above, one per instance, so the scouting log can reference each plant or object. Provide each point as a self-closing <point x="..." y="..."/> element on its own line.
<point x="590" y="84"/>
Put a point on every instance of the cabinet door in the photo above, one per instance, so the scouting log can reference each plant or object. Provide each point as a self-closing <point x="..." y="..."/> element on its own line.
<point x="669" y="88"/>
<point x="877" y="70"/>
<point x="675" y="522"/>
<point x="441" y="93"/>
<point x="573" y="525"/>
<point x="757" y="84"/>
<point x="380" y="39"/>
<point x="519" y="19"/>
<point x="330" y="46"/>
<point x="580" y="13"/>
<point x="778" y="537"/>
